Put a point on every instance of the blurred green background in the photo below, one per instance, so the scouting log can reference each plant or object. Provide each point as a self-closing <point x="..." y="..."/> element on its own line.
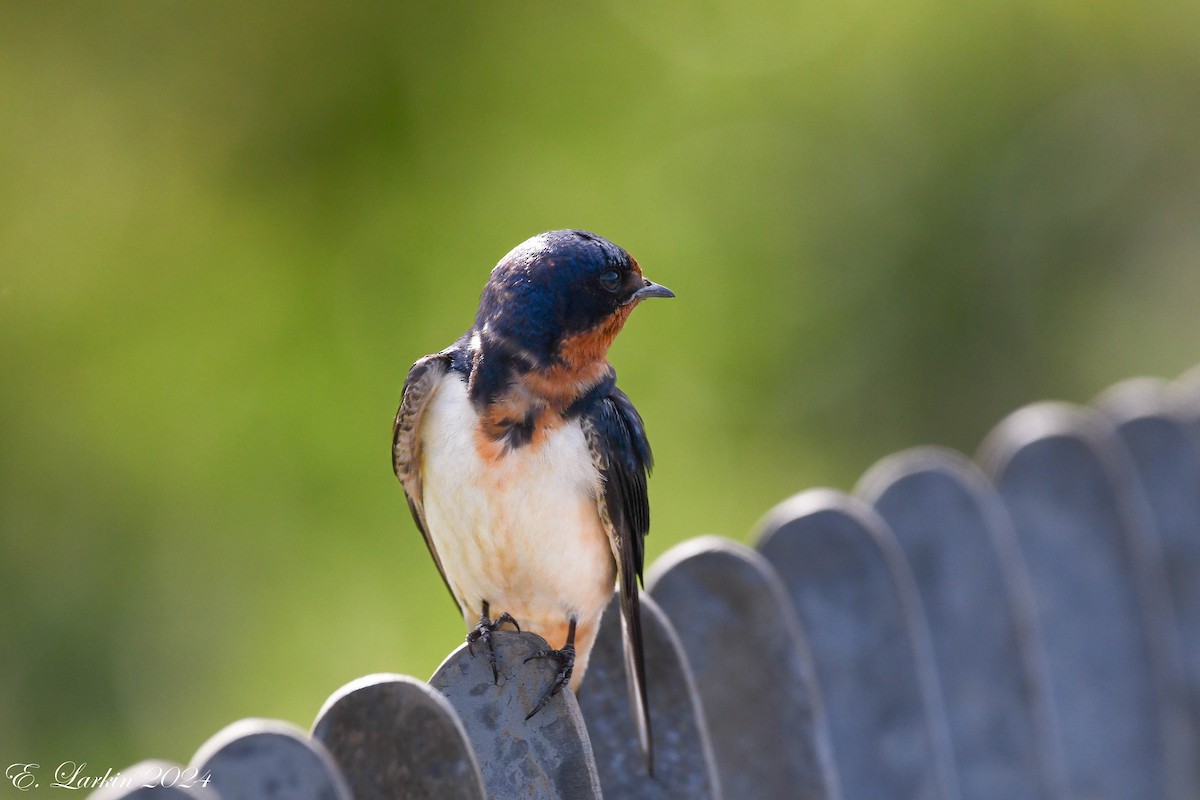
<point x="227" y="229"/>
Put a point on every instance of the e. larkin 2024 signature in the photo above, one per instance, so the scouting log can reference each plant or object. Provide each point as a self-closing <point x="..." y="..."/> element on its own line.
<point x="71" y="775"/>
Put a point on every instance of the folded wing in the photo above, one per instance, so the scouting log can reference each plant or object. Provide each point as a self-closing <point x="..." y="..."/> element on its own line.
<point x="617" y="440"/>
<point x="423" y="379"/>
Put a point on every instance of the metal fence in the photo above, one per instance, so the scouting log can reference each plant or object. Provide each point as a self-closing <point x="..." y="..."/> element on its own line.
<point x="1023" y="626"/>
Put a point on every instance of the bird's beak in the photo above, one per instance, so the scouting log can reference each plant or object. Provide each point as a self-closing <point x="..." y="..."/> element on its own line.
<point x="652" y="289"/>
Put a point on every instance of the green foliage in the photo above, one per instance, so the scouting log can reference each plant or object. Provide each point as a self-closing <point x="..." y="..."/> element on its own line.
<point x="228" y="229"/>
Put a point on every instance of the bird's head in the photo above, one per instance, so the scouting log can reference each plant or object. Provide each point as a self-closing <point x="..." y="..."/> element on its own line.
<point x="561" y="298"/>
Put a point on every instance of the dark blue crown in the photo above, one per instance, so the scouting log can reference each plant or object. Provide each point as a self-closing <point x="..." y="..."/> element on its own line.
<point x="545" y="289"/>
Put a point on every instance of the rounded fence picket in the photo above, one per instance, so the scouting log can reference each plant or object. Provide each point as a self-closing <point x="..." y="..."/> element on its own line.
<point x="1025" y="631"/>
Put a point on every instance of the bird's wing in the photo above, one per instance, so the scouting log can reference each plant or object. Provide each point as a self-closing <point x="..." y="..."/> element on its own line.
<point x="422" y="380"/>
<point x="617" y="440"/>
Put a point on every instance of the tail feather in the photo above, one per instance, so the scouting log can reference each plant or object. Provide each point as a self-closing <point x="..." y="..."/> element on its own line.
<point x="635" y="669"/>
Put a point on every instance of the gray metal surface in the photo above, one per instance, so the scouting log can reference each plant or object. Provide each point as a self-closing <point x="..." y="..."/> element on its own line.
<point x="393" y="736"/>
<point x="264" y="759"/>
<point x="1066" y="485"/>
<point x="683" y="761"/>
<point x="752" y="670"/>
<point x="546" y="757"/>
<point x="959" y="541"/>
<point x="1166" y="459"/>
<point x="849" y="583"/>
<point x="1187" y="398"/>
<point x="167" y="781"/>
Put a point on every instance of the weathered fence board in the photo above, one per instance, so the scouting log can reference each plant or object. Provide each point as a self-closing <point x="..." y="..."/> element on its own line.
<point x="161" y="775"/>
<point x="548" y="756"/>
<point x="683" y="760"/>
<point x="1064" y="483"/>
<point x="1166" y="458"/>
<point x="959" y="542"/>
<point x="752" y="670"/>
<point x="263" y="759"/>
<point x="849" y="583"/>
<point x="393" y="736"/>
<point x="1030" y="631"/>
<point x="1187" y="396"/>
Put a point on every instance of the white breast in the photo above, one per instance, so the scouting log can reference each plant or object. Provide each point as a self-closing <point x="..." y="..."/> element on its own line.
<point x="523" y="533"/>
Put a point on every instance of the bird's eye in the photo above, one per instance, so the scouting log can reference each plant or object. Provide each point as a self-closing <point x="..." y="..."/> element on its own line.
<point x="610" y="281"/>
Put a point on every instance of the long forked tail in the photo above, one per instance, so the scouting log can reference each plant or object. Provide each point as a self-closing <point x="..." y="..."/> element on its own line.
<point x="635" y="668"/>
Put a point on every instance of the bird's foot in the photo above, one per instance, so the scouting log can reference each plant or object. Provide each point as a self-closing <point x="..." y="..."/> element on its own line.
<point x="483" y="632"/>
<point x="566" y="660"/>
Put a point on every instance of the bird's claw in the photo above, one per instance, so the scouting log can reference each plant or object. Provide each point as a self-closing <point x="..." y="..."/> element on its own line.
<point x="566" y="658"/>
<point x="483" y="632"/>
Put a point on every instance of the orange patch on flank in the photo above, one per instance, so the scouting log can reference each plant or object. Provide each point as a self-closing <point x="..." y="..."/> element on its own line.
<point x="502" y="413"/>
<point x="506" y="557"/>
<point x="585" y="637"/>
<point x="489" y="450"/>
<point x="512" y="409"/>
<point x="555" y="635"/>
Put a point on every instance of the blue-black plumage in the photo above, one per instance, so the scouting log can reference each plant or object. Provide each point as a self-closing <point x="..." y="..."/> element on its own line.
<point x="525" y="466"/>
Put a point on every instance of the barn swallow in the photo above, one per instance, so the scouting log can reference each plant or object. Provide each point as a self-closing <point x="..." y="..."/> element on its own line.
<point x="525" y="466"/>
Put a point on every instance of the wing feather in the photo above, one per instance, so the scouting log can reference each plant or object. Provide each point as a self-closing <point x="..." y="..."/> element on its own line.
<point x="423" y="379"/>
<point x="617" y="440"/>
